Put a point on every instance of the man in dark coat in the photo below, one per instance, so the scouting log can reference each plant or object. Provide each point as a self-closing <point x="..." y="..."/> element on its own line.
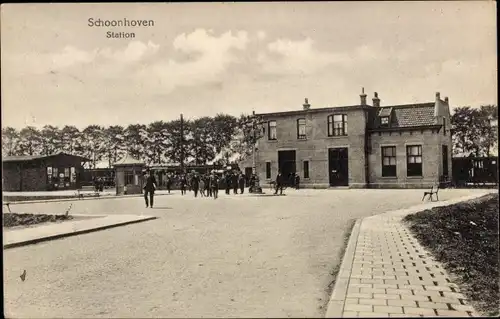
<point x="228" y="183"/>
<point x="234" y="182"/>
<point x="169" y="183"/>
<point x="297" y="181"/>
<point x="241" y="182"/>
<point x="214" y="185"/>
<point x="149" y="188"/>
<point x="195" y="184"/>
<point x="279" y="184"/>
<point x="183" y="183"/>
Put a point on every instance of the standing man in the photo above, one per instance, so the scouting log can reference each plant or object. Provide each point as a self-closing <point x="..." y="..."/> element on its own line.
<point x="195" y="184"/>
<point x="214" y="185"/>
<point x="169" y="183"/>
<point x="297" y="181"/>
<point x="183" y="183"/>
<point x="241" y="182"/>
<point x="279" y="184"/>
<point x="228" y="182"/>
<point x="234" y="182"/>
<point x="149" y="188"/>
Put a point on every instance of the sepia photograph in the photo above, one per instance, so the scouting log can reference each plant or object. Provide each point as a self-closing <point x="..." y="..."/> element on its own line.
<point x="250" y="159"/>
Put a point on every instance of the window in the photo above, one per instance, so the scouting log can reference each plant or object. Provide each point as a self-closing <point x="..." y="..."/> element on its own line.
<point x="306" y="169"/>
<point x="444" y="125"/>
<point x="414" y="160"/>
<point x="301" y="129"/>
<point x="66" y="172"/>
<point x="337" y="125"/>
<point x="129" y="178"/>
<point x="389" y="161"/>
<point x="271" y="132"/>
<point x="384" y="120"/>
<point x="268" y="170"/>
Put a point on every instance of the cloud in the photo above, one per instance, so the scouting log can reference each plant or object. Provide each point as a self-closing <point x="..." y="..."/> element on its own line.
<point x="297" y="57"/>
<point x="135" y="51"/>
<point x="261" y="35"/>
<point x="70" y="56"/>
<point x="213" y="56"/>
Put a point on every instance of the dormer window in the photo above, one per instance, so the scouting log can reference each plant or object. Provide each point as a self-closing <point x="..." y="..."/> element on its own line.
<point x="384" y="120"/>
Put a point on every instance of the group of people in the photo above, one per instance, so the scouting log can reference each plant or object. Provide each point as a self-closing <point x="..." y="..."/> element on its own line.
<point x="280" y="182"/>
<point x="207" y="185"/>
<point x="235" y="181"/>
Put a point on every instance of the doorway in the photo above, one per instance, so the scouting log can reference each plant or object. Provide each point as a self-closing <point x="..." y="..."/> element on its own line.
<point x="338" y="168"/>
<point x="286" y="165"/>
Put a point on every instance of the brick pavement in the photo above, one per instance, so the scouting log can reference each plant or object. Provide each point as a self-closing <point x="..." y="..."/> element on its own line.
<point x="387" y="273"/>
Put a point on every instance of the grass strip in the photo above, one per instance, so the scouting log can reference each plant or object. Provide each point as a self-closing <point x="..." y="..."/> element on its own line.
<point x="464" y="238"/>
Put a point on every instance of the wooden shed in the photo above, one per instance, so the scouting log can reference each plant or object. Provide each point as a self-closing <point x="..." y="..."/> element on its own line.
<point x="59" y="171"/>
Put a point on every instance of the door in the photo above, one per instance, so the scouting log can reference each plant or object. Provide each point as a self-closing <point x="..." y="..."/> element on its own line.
<point x="338" y="166"/>
<point x="445" y="160"/>
<point x="286" y="165"/>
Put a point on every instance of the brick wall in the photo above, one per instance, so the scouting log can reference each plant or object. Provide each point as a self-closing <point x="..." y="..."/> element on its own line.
<point x="431" y="159"/>
<point x="315" y="148"/>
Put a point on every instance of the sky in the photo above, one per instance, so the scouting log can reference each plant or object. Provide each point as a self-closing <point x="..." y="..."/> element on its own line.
<point x="200" y="59"/>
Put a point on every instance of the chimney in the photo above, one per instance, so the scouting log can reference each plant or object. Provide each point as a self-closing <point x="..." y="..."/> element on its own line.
<point x="446" y="101"/>
<point x="306" y="105"/>
<point x="376" y="100"/>
<point x="438" y="96"/>
<point x="363" y="96"/>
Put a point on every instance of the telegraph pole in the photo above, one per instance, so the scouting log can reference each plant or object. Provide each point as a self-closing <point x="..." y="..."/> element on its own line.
<point x="182" y="145"/>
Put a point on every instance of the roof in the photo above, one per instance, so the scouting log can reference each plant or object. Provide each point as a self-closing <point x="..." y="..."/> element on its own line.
<point x="27" y="158"/>
<point x="414" y="115"/>
<point x="129" y="160"/>
<point x="406" y="116"/>
<point x="385" y="111"/>
<point x="316" y="110"/>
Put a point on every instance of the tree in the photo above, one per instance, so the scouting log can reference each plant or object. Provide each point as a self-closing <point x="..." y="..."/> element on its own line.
<point x="248" y="132"/>
<point x="71" y="140"/>
<point x="224" y="127"/>
<point x="115" y="144"/>
<point x="30" y="141"/>
<point x="157" y="142"/>
<point x="10" y="141"/>
<point x="174" y="149"/>
<point x="51" y="140"/>
<point x="202" y="147"/>
<point x="94" y="144"/>
<point x="472" y="133"/>
<point x="488" y="114"/>
<point x="135" y="140"/>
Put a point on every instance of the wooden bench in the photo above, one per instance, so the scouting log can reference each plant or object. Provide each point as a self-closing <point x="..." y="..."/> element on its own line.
<point x="87" y="191"/>
<point x="434" y="191"/>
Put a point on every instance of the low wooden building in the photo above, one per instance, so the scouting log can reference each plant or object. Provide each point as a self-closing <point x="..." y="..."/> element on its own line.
<point x="59" y="171"/>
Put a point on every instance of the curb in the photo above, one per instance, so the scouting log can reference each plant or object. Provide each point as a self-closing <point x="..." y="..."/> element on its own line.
<point x="79" y="232"/>
<point x="76" y="199"/>
<point x="335" y="306"/>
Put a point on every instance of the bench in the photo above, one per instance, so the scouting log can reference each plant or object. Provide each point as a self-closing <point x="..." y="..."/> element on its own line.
<point x="87" y="191"/>
<point x="434" y="191"/>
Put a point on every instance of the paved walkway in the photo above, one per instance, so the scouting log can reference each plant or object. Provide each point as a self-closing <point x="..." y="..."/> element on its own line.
<point x="32" y="235"/>
<point x="386" y="273"/>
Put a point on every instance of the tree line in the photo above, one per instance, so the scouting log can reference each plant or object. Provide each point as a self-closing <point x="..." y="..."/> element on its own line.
<point x="474" y="130"/>
<point x="206" y="139"/>
<point x="203" y="140"/>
